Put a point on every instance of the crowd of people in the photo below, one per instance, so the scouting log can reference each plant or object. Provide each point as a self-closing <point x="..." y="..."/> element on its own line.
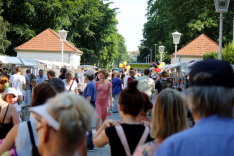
<point x="156" y="117"/>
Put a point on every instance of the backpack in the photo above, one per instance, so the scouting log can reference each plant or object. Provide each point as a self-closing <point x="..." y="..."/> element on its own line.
<point x="163" y="84"/>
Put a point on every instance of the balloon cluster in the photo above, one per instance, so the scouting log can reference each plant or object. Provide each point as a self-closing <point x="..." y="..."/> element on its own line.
<point x="124" y="66"/>
<point x="157" y="66"/>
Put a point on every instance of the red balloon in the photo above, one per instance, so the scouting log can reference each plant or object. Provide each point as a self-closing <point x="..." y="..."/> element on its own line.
<point x="157" y="70"/>
<point x="124" y="66"/>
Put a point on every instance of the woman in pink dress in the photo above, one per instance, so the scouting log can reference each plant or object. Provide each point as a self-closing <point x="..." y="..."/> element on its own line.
<point x="104" y="95"/>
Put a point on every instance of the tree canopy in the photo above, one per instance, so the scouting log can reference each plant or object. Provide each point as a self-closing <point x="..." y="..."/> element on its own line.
<point x="91" y="25"/>
<point x="191" y="18"/>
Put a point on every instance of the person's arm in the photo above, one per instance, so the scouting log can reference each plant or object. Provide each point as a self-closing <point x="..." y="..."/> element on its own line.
<point x="110" y="96"/>
<point x="76" y="90"/>
<point x="89" y="98"/>
<point x="14" y="115"/>
<point x="24" y="84"/>
<point x="101" y="139"/>
<point x="9" y="140"/>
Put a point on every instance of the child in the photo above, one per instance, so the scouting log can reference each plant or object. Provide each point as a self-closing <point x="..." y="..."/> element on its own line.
<point x="11" y="97"/>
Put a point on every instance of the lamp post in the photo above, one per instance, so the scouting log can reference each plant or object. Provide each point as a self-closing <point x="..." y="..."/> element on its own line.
<point x="161" y="50"/>
<point x="221" y="6"/>
<point x="62" y="36"/>
<point x="151" y="55"/>
<point x="148" y="58"/>
<point x="176" y="40"/>
<point x="155" y="53"/>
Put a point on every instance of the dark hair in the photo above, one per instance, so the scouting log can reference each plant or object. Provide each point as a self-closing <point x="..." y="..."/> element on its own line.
<point x="105" y="73"/>
<point x="122" y="76"/>
<point x="90" y="77"/>
<point x="41" y="70"/>
<point x="147" y="104"/>
<point x="131" y="99"/>
<point x="146" y="71"/>
<point x="51" y="72"/>
<point x="42" y="93"/>
<point x="164" y="74"/>
<point x="63" y="70"/>
<point x="57" y="84"/>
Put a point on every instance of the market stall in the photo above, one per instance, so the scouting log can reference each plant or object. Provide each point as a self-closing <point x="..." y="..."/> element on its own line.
<point x="9" y="63"/>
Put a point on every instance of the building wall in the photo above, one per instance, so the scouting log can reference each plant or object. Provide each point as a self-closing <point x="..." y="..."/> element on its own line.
<point x="185" y="59"/>
<point x="74" y="59"/>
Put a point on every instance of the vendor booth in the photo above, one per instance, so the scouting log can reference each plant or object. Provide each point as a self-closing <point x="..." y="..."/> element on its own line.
<point x="10" y="63"/>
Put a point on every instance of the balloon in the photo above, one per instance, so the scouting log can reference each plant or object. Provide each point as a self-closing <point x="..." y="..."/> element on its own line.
<point x="128" y="67"/>
<point x="125" y="63"/>
<point x="121" y="65"/>
<point x="157" y="70"/>
<point x="161" y="65"/>
<point x="124" y="66"/>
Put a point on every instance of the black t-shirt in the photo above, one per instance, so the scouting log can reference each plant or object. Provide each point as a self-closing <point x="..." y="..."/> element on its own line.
<point x="163" y="84"/>
<point x="62" y="76"/>
<point x="97" y="76"/>
<point x="133" y="135"/>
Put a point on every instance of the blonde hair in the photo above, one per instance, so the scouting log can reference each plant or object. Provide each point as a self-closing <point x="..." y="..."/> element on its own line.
<point x="68" y="74"/>
<point x="210" y="100"/>
<point x="74" y="114"/>
<point x="105" y="73"/>
<point x="169" y="114"/>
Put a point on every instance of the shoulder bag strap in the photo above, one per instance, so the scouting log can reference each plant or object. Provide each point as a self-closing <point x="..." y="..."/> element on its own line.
<point x="143" y="137"/>
<point x="102" y="88"/>
<point x="115" y="83"/>
<point x="5" y="114"/>
<point x="31" y="134"/>
<point x="71" y="85"/>
<point x="123" y="139"/>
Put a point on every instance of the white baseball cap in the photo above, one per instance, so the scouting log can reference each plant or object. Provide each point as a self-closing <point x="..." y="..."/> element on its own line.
<point x="11" y="91"/>
<point x="42" y="111"/>
<point x="89" y="73"/>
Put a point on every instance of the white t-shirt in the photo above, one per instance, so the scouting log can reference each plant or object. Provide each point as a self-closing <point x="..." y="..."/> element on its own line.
<point x="18" y="109"/>
<point x="126" y="81"/>
<point x="17" y="82"/>
<point x="67" y="87"/>
<point x="81" y="80"/>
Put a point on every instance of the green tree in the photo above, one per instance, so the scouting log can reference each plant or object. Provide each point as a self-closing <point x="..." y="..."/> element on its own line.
<point x="228" y="53"/>
<point x="211" y="55"/>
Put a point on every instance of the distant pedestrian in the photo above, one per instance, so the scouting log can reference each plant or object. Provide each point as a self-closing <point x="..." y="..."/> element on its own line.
<point x="18" y="82"/>
<point x="62" y="73"/>
<point x="116" y="89"/>
<point x="81" y="81"/>
<point x="104" y="96"/>
<point x="69" y="83"/>
<point x="27" y="77"/>
<point x="42" y="77"/>
<point x="162" y="84"/>
<point x="50" y="74"/>
<point x="97" y="76"/>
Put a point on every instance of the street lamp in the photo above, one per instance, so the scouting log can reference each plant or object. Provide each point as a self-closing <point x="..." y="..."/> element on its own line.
<point x="176" y="40"/>
<point x="151" y="55"/>
<point x="155" y="53"/>
<point x="161" y="50"/>
<point x="222" y="7"/>
<point x="62" y="36"/>
<point x="148" y="58"/>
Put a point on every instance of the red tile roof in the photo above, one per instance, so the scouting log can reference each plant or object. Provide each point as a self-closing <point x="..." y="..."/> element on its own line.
<point x="199" y="46"/>
<point x="47" y="40"/>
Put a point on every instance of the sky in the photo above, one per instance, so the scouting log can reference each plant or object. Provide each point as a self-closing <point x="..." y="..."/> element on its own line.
<point x="131" y="17"/>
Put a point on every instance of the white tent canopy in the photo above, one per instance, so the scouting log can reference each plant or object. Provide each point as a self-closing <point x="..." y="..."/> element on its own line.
<point x="45" y="62"/>
<point x="29" y="62"/>
<point x="9" y="60"/>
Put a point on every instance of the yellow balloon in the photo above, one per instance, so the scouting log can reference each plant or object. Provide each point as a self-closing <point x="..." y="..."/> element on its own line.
<point x="124" y="63"/>
<point x="121" y="65"/>
<point x="128" y="67"/>
<point x="162" y="64"/>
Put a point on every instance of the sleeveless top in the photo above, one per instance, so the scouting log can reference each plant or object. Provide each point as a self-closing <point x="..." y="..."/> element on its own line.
<point x="5" y="128"/>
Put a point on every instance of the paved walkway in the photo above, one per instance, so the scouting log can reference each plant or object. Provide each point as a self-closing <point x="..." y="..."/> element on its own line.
<point x="105" y="151"/>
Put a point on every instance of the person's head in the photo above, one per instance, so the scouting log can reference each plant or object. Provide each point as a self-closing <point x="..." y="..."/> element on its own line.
<point x="146" y="72"/>
<point x="82" y="69"/>
<point x="28" y="71"/>
<point x="104" y="74"/>
<point x="41" y="72"/>
<point x="33" y="82"/>
<point x="169" y="115"/>
<point x="57" y="84"/>
<point x="18" y="69"/>
<point x="164" y="74"/>
<point x="147" y="103"/>
<point x="122" y="76"/>
<point x="99" y="69"/>
<point x="41" y="93"/>
<point x="32" y="76"/>
<point x="132" y="73"/>
<point x="63" y="70"/>
<point x="69" y="75"/>
<point x="211" y="89"/>
<point x="11" y="96"/>
<point x="4" y="80"/>
<point x="117" y="75"/>
<point x="131" y="100"/>
<point x="63" y="122"/>
<point x="121" y="72"/>
<point x="89" y="75"/>
<point x="50" y="74"/>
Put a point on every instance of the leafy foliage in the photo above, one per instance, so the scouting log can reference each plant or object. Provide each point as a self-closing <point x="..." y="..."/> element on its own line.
<point x="190" y="17"/>
<point x="228" y="53"/>
<point x="211" y="55"/>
